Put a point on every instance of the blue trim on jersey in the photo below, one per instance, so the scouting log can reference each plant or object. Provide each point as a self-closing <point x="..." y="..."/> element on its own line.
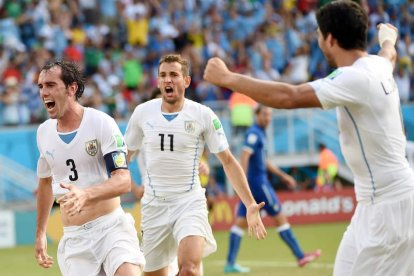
<point x="363" y="154"/>
<point x="67" y="137"/>
<point x="194" y="164"/>
<point x="149" y="183"/>
<point x="170" y="117"/>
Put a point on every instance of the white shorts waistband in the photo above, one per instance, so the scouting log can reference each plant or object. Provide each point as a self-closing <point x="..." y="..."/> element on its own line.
<point x="93" y="223"/>
<point x="171" y="198"/>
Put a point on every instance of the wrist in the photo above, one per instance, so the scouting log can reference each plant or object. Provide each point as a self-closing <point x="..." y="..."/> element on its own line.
<point x="386" y="33"/>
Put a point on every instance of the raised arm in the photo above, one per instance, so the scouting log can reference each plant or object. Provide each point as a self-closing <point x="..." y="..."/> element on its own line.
<point x="387" y="37"/>
<point x="270" y="93"/>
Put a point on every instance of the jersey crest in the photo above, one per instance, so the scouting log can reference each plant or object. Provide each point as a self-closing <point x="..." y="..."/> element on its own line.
<point x="91" y="147"/>
<point x="189" y="126"/>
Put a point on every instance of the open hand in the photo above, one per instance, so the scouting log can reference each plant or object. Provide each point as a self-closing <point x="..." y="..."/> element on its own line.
<point x="43" y="259"/>
<point x="255" y="222"/>
<point x="73" y="201"/>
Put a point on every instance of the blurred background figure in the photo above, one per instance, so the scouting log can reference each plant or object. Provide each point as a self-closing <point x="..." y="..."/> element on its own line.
<point x="327" y="170"/>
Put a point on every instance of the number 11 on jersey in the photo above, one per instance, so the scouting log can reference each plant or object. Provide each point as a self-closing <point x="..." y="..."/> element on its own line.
<point x="171" y="141"/>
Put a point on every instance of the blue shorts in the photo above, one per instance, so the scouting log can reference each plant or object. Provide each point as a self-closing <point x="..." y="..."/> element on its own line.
<point x="267" y="194"/>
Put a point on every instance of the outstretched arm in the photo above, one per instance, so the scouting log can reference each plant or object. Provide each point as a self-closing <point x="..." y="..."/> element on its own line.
<point x="387" y="37"/>
<point x="238" y="179"/>
<point x="269" y="93"/>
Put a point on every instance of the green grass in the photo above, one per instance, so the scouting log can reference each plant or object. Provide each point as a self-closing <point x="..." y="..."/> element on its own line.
<point x="269" y="257"/>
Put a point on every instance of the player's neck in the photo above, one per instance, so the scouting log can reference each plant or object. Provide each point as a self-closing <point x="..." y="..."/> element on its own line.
<point x="72" y="119"/>
<point x="348" y="57"/>
<point x="172" y="108"/>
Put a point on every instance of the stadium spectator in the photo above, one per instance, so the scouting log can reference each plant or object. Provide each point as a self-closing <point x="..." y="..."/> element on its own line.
<point x="327" y="170"/>
<point x="363" y="91"/>
<point x="402" y="79"/>
<point x="78" y="148"/>
<point x="256" y="166"/>
<point x="241" y="112"/>
<point x="15" y="110"/>
<point x="174" y="211"/>
<point x="263" y="36"/>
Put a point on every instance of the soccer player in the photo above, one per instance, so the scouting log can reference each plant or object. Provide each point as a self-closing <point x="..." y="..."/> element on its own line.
<point x="172" y="132"/>
<point x="83" y="164"/>
<point x="254" y="162"/>
<point x="379" y="239"/>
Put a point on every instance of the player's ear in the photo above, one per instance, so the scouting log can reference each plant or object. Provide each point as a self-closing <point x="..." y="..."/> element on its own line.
<point x="331" y="40"/>
<point x="187" y="81"/>
<point x="72" y="88"/>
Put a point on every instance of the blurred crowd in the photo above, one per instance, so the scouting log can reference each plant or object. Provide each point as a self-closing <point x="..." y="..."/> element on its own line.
<point x="118" y="44"/>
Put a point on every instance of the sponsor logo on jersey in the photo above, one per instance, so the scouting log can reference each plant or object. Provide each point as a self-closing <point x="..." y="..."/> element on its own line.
<point x="119" y="159"/>
<point x="119" y="140"/>
<point x="252" y="139"/>
<point x="91" y="147"/>
<point x="216" y="124"/>
<point x="334" y="74"/>
<point x="51" y="153"/>
<point x="189" y="126"/>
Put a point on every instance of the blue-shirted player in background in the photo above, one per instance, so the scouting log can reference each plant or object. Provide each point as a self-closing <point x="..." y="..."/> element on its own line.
<point x="254" y="162"/>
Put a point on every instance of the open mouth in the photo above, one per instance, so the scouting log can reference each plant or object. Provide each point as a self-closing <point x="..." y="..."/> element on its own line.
<point x="169" y="90"/>
<point x="49" y="104"/>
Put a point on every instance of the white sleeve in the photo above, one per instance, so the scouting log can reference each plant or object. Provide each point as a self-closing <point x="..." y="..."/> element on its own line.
<point x="43" y="168"/>
<point x="213" y="132"/>
<point x="134" y="134"/>
<point x="111" y="137"/>
<point x="341" y="88"/>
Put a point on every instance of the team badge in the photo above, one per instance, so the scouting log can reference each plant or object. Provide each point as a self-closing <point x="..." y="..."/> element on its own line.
<point x="189" y="126"/>
<point x="216" y="124"/>
<point x="92" y="147"/>
<point x="119" y="159"/>
<point x="119" y="140"/>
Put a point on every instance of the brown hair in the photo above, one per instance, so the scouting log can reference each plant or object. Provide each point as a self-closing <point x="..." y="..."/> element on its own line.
<point x="185" y="68"/>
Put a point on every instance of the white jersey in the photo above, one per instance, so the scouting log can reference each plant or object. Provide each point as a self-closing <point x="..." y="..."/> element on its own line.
<point x="173" y="148"/>
<point x="81" y="162"/>
<point x="371" y="130"/>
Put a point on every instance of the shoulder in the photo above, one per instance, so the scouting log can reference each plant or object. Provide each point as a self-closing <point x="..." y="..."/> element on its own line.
<point x="199" y="110"/>
<point x="93" y="115"/>
<point x="148" y="106"/>
<point x="347" y="78"/>
<point x="46" y="126"/>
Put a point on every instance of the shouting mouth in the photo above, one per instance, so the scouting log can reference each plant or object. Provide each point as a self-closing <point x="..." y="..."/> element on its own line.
<point x="50" y="104"/>
<point x="169" y="90"/>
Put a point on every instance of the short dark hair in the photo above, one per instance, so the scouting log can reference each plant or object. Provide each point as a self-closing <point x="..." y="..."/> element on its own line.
<point x="346" y="21"/>
<point x="258" y="109"/>
<point x="70" y="73"/>
<point x="185" y="68"/>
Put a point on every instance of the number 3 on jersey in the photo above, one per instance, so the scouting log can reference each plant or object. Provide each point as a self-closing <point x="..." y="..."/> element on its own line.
<point x="72" y="165"/>
<point x="171" y="141"/>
